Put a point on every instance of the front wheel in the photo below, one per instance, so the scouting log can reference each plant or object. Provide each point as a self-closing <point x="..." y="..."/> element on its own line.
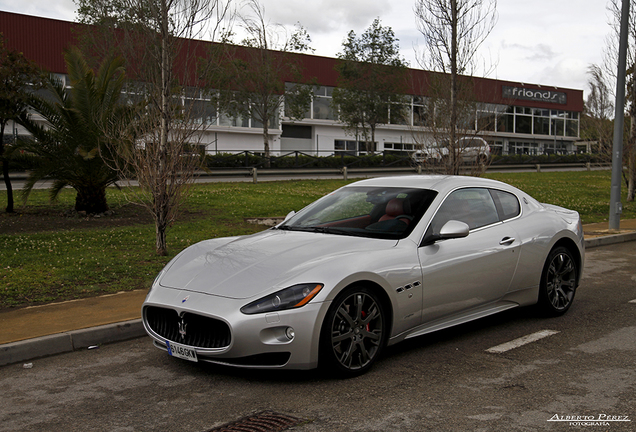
<point x="354" y="332"/>
<point x="558" y="282"/>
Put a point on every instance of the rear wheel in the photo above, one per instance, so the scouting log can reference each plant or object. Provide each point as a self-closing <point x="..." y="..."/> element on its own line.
<point x="354" y="332"/>
<point x="558" y="282"/>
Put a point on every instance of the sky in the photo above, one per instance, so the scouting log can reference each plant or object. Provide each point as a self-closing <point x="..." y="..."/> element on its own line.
<point x="547" y="42"/>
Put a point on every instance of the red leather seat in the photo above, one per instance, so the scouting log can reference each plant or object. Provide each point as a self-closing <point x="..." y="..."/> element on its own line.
<point x="397" y="208"/>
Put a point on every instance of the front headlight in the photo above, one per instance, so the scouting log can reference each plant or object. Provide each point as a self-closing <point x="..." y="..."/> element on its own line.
<point x="289" y="298"/>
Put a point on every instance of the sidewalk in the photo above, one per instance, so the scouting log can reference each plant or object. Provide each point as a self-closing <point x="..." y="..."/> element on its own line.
<point x="55" y="328"/>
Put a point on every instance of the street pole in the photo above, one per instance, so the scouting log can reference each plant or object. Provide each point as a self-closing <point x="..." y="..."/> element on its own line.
<point x="616" y="207"/>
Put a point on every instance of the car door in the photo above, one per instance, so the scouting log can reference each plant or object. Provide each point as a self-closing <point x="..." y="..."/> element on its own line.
<point x="469" y="272"/>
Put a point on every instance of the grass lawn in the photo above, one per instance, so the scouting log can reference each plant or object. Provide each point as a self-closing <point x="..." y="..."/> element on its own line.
<point x="46" y="256"/>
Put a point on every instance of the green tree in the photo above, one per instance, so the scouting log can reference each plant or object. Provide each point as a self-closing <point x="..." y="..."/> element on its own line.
<point x="255" y="79"/>
<point x="371" y="82"/>
<point x="67" y="147"/>
<point x="17" y="76"/>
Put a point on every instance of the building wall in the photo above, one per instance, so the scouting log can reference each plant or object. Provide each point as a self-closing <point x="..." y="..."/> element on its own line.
<point x="44" y="40"/>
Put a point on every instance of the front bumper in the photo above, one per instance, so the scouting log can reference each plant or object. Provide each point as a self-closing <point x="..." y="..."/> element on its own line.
<point x="255" y="341"/>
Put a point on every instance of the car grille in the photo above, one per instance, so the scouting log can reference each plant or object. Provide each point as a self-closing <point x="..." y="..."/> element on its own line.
<point x="200" y="331"/>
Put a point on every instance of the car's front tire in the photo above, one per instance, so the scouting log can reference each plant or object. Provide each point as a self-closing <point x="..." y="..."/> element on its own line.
<point x="558" y="282"/>
<point x="354" y="332"/>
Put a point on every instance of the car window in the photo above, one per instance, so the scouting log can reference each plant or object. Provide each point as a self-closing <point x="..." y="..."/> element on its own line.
<point x="507" y="204"/>
<point x="473" y="206"/>
<point x="376" y="212"/>
<point x="352" y="205"/>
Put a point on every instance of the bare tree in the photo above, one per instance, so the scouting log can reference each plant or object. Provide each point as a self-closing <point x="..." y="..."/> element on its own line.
<point x="453" y="31"/>
<point x="596" y="123"/>
<point x="431" y="131"/>
<point x="257" y="77"/>
<point x="157" y="39"/>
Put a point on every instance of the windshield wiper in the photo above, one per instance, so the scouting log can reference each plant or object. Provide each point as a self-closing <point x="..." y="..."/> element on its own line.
<point x="283" y="227"/>
<point x="324" y="230"/>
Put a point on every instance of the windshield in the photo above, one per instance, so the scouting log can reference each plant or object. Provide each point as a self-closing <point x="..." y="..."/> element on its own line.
<point x="376" y="212"/>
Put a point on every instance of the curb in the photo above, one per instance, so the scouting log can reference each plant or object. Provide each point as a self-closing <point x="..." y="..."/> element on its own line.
<point x="28" y="349"/>
<point x="610" y="239"/>
<point x="69" y="341"/>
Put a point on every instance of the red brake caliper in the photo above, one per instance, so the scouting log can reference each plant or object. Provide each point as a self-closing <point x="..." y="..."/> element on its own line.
<point x="368" y="324"/>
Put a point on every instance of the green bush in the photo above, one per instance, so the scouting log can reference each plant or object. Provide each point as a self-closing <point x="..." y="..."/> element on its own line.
<point x="300" y="160"/>
<point x="545" y="159"/>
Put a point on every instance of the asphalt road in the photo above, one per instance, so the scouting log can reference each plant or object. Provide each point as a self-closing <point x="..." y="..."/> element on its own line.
<point x="446" y="381"/>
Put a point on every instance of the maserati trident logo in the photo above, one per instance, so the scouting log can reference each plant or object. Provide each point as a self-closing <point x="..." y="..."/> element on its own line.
<point x="182" y="328"/>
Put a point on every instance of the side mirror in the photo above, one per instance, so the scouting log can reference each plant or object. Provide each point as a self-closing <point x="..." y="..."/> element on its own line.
<point x="451" y="230"/>
<point x="454" y="229"/>
<point x="289" y="215"/>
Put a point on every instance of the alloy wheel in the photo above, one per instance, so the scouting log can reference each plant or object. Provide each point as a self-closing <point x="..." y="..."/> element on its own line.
<point x="356" y="331"/>
<point x="561" y="281"/>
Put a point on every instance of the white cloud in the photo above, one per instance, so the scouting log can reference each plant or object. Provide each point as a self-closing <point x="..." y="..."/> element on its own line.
<point x="58" y="9"/>
<point x="327" y="16"/>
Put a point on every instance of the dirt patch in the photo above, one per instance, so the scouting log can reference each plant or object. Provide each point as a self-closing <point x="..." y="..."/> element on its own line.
<point x="266" y="221"/>
<point x="43" y="219"/>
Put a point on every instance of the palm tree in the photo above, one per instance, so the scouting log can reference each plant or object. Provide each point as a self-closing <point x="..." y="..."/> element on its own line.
<point x="68" y="148"/>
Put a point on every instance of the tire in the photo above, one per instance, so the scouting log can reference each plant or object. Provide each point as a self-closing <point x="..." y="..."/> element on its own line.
<point x="354" y="332"/>
<point x="558" y="282"/>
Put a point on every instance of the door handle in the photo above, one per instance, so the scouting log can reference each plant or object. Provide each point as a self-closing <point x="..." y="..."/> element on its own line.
<point x="507" y="241"/>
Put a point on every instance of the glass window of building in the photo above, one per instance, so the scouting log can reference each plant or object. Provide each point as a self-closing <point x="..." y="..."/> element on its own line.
<point x="496" y="147"/>
<point x="558" y="122"/>
<point x="506" y="120"/>
<point x="572" y="124"/>
<point x="523" y="124"/>
<point x="541" y="125"/>
<point x="398" y="147"/>
<point x="572" y="128"/>
<point x="524" y="148"/>
<point x="203" y="112"/>
<point x="322" y="108"/>
<point x="400" y="112"/>
<point x="486" y="119"/>
<point x="236" y="121"/>
<point x="351" y="148"/>
<point x="344" y="147"/>
<point x="199" y="106"/>
<point x="289" y="87"/>
<point x="419" y="111"/>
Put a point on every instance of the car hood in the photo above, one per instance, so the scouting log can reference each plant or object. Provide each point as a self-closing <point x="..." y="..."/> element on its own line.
<point x="244" y="267"/>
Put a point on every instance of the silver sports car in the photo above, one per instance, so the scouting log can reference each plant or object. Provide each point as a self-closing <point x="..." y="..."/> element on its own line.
<point x="369" y="265"/>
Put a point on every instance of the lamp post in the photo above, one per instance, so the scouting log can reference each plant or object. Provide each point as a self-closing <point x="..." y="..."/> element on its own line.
<point x="553" y="121"/>
<point x="616" y="206"/>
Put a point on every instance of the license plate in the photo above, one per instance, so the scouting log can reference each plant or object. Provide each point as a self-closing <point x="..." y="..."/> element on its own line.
<point x="181" y="351"/>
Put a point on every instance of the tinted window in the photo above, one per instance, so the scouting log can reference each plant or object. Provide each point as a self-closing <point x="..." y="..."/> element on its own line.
<point x="473" y="206"/>
<point x="507" y="204"/>
<point x="377" y="212"/>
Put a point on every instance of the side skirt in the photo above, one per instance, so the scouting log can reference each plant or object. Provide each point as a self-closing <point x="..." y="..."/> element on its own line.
<point x="454" y="320"/>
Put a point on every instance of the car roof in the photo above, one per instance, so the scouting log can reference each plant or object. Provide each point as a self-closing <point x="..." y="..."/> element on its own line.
<point x="435" y="182"/>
